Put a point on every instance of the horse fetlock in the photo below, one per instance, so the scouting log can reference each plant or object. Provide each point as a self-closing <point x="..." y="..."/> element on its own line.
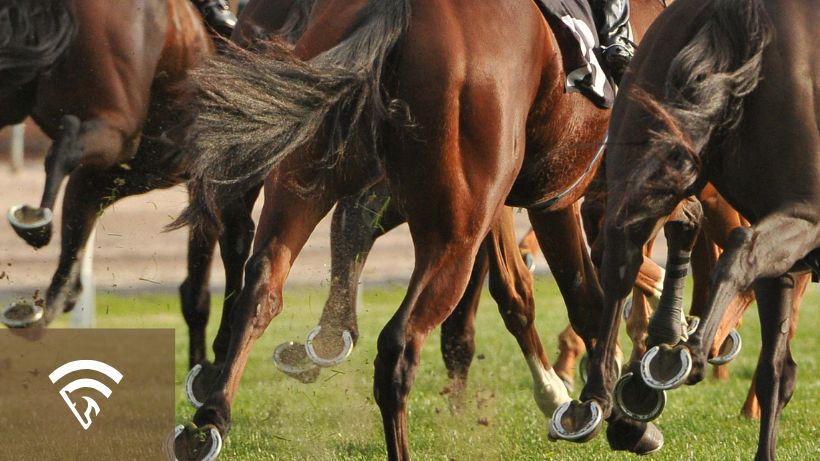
<point x="549" y="389"/>
<point x="34" y="225"/>
<point x="216" y="412"/>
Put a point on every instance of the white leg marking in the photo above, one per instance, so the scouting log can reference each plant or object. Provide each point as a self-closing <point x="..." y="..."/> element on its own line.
<point x="548" y="389"/>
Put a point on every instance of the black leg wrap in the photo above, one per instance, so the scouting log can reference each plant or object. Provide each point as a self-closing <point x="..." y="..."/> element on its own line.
<point x="665" y="326"/>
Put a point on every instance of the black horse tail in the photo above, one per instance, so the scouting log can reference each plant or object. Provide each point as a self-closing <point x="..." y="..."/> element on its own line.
<point x="34" y="34"/>
<point x="254" y="109"/>
<point x="709" y="78"/>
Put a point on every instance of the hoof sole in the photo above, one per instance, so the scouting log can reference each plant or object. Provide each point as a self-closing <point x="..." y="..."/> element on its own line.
<point x="21" y="314"/>
<point x="291" y="359"/>
<point x="576" y="421"/>
<point x="32" y="224"/>
<point x="310" y="350"/>
<point x="664" y="367"/>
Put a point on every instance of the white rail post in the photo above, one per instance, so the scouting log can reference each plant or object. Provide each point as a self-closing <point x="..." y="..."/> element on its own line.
<point x="18" y="141"/>
<point x="84" y="313"/>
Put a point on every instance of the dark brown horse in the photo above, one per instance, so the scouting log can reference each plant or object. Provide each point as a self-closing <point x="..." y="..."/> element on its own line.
<point x="460" y="125"/>
<point x="110" y="107"/>
<point x="106" y="104"/>
<point x="721" y="91"/>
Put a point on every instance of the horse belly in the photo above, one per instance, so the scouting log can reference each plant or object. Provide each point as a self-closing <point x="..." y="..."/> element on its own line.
<point x="564" y="150"/>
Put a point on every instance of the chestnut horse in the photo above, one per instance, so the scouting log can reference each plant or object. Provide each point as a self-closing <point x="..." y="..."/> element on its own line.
<point x="459" y="124"/>
<point x="721" y="92"/>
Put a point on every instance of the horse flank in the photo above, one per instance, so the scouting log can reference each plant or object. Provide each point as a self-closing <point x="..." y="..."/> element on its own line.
<point x="34" y="34"/>
<point x="254" y="109"/>
<point x="704" y="92"/>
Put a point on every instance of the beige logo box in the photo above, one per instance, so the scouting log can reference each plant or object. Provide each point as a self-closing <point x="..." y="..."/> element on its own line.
<point x="53" y="386"/>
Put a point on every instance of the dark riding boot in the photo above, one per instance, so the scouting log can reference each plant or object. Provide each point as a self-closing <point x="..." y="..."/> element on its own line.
<point x="615" y="35"/>
<point x="217" y="16"/>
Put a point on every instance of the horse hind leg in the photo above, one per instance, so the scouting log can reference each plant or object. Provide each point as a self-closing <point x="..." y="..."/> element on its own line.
<point x="195" y="297"/>
<point x="234" y="248"/>
<point x="287" y="220"/>
<point x="458" y="333"/>
<point x="444" y="259"/>
<point x="570" y="345"/>
<point x="776" y="370"/>
<point x="357" y="222"/>
<point x="751" y="407"/>
<point x="511" y="287"/>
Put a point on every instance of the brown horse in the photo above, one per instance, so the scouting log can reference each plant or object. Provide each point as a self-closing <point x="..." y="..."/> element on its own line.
<point x="721" y="91"/>
<point x="106" y="104"/>
<point x="110" y="107"/>
<point x="460" y="125"/>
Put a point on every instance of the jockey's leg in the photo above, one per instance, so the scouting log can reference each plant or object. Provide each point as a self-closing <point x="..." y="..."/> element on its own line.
<point x="218" y="16"/>
<point x="615" y="34"/>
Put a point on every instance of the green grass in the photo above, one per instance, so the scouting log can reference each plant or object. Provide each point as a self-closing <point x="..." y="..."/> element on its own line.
<point x="275" y="417"/>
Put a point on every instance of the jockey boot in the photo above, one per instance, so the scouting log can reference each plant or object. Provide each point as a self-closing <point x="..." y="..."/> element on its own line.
<point x="218" y="16"/>
<point x="616" y="36"/>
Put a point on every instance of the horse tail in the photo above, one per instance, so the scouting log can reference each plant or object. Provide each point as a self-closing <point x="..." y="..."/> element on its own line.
<point x="34" y="34"/>
<point x="255" y="109"/>
<point x="709" y="78"/>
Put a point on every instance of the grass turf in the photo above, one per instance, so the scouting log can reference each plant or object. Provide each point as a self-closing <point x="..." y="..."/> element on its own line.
<point x="275" y="417"/>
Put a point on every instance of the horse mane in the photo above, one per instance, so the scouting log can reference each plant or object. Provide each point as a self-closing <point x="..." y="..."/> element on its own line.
<point x="709" y="78"/>
<point x="34" y="34"/>
<point x="256" y="108"/>
<point x="703" y="98"/>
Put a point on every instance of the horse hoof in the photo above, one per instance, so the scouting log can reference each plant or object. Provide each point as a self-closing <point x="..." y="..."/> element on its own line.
<point x="729" y="349"/>
<point x="21" y="314"/>
<point x="32" y="224"/>
<point x="291" y="359"/>
<point x="576" y="421"/>
<point x="637" y="400"/>
<point x="640" y="438"/>
<point x="347" y="348"/>
<point x="664" y="367"/>
<point x="198" y="383"/>
<point x="190" y="443"/>
<point x="692" y="323"/>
